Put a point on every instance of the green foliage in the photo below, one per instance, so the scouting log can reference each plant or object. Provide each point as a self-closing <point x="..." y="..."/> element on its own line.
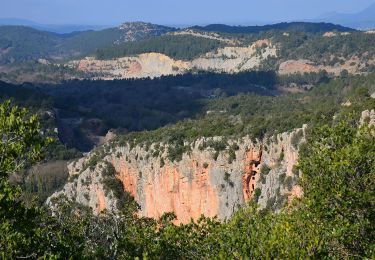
<point x="327" y="50"/>
<point x="138" y="105"/>
<point x="292" y="26"/>
<point x="217" y="145"/>
<point x="338" y="180"/>
<point x="115" y="186"/>
<point x="257" y="193"/>
<point x="184" y="47"/>
<point x="262" y="116"/>
<point x="282" y="177"/>
<point x="265" y="169"/>
<point x="21" y="141"/>
<point x="41" y="180"/>
<point x="92" y="162"/>
<point x="232" y="152"/>
<point x="289" y="182"/>
<point x="296" y="138"/>
<point x="306" y="79"/>
<point x="21" y="145"/>
<point x="227" y="179"/>
<point x="26" y="43"/>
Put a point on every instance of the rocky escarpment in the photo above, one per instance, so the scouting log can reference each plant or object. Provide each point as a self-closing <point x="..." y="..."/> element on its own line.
<point x="353" y="65"/>
<point x="141" y="66"/>
<point x="205" y="181"/>
<point x="228" y="59"/>
<point x="136" y="31"/>
<point x="207" y="35"/>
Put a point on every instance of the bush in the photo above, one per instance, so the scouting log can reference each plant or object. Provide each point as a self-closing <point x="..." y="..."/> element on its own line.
<point x="289" y="182"/>
<point x="282" y="177"/>
<point x="265" y="169"/>
<point x="296" y="138"/>
<point x="257" y="193"/>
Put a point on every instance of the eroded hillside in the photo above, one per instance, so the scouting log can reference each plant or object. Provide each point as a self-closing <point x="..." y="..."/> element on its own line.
<point x="227" y="59"/>
<point x="287" y="53"/>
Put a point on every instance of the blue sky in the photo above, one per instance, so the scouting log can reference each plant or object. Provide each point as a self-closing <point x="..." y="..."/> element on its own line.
<point x="173" y="12"/>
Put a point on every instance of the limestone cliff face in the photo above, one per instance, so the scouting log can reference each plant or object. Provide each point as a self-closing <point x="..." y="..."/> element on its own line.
<point x="199" y="183"/>
<point x="87" y="188"/>
<point x="236" y="59"/>
<point x="368" y="117"/>
<point x="141" y="66"/>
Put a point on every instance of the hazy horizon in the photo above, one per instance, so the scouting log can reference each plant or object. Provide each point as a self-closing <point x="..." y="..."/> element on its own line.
<point x="168" y="12"/>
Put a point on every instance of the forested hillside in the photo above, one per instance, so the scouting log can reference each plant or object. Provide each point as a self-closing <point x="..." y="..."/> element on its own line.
<point x="182" y="47"/>
<point x="293" y="26"/>
<point x="20" y="43"/>
<point x="260" y="116"/>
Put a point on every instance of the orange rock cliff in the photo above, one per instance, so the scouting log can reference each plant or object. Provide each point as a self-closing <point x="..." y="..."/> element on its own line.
<point x="198" y="184"/>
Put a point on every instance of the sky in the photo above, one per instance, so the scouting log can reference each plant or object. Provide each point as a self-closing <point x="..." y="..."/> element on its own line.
<point x="174" y="12"/>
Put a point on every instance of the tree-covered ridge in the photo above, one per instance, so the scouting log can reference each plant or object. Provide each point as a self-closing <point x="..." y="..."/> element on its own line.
<point x="326" y="50"/>
<point x="145" y="104"/>
<point x="183" y="47"/>
<point x="292" y="26"/>
<point x="138" y="105"/>
<point x="262" y="116"/>
<point x="21" y="43"/>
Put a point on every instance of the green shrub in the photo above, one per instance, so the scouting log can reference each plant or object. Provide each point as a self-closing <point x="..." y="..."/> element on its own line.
<point x="289" y="182"/>
<point x="282" y="177"/>
<point x="265" y="169"/>
<point x="296" y="138"/>
<point x="227" y="179"/>
<point x="257" y="193"/>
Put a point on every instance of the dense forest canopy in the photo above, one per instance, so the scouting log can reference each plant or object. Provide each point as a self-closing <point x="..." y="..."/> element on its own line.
<point x="21" y="43"/>
<point x="137" y="105"/>
<point x="264" y="116"/>
<point x="182" y="47"/>
<point x="293" y="26"/>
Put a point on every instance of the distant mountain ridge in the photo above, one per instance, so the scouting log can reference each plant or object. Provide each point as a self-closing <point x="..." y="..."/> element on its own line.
<point x="294" y="26"/>
<point x="55" y="28"/>
<point x="362" y="20"/>
<point x="21" y="43"/>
